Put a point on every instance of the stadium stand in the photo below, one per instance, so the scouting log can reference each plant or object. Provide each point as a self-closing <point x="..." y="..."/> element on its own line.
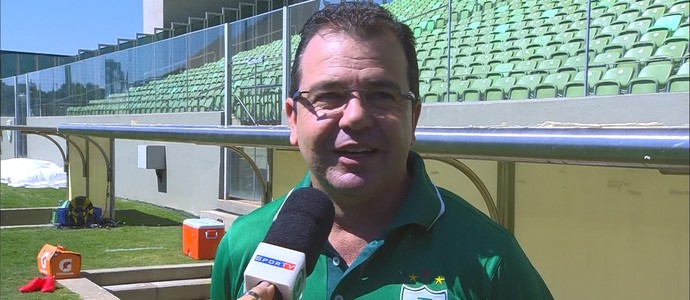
<point x="498" y="50"/>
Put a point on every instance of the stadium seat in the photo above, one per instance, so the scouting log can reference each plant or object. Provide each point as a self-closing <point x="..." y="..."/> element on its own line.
<point x="656" y="37"/>
<point x="523" y="68"/>
<point x="480" y="71"/>
<point x="599" y="43"/>
<point x="461" y="71"/>
<point x="681" y="7"/>
<point x="575" y="87"/>
<point x="500" y="70"/>
<point x="619" y="7"/>
<point x="636" y="56"/>
<point x="629" y="15"/>
<point x="668" y="22"/>
<point x="476" y="90"/>
<point x="651" y="79"/>
<point x="640" y="26"/>
<point x="671" y="51"/>
<point x="622" y="42"/>
<point x="640" y="5"/>
<point x="604" y="60"/>
<point x="524" y="87"/>
<point x="680" y="82"/>
<point x="547" y="66"/>
<point x="610" y="31"/>
<point x="572" y="65"/>
<point x="498" y="88"/>
<point x="552" y="86"/>
<point x="615" y="81"/>
<point x="682" y="34"/>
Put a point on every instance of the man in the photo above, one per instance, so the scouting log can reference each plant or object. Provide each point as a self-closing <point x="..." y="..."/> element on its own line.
<point x="395" y="235"/>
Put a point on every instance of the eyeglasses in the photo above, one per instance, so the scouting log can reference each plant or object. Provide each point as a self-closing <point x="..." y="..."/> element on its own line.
<point x="332" y="101"/>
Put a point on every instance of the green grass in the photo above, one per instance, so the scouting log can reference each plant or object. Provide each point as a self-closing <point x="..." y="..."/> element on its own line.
<point x="157" y="230"/>
<point x="22" y="197"/>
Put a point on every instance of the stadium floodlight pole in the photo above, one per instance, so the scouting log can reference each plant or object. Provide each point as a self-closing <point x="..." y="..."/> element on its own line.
<point x="589" y="20"/>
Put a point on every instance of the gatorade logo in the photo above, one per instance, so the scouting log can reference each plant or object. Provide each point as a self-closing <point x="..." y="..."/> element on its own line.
<point x="65" y="265"/>
<point x="44" y="259"/>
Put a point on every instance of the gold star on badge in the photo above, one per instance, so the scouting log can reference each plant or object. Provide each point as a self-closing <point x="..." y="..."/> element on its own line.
<point x="413" y="277"/>
<point x="439" y="279"/>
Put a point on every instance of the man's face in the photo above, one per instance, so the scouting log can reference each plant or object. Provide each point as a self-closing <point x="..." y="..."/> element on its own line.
<point x="360" y="150"/>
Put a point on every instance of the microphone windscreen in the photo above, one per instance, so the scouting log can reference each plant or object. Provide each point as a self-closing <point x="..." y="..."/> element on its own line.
<point x="303" y="224"/>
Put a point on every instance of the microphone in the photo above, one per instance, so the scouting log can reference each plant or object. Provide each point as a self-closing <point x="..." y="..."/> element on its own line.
<point x="289" y="252"/>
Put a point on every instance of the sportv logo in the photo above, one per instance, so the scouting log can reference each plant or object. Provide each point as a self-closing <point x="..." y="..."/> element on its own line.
<point x="275" y="262"/>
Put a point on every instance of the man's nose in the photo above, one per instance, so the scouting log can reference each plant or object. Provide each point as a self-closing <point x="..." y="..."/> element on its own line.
<point x="355" y="114"/>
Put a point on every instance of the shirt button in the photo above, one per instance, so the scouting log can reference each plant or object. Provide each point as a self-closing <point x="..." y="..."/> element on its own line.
<point x="338" y="297"/>
<point x="336" y="262"/>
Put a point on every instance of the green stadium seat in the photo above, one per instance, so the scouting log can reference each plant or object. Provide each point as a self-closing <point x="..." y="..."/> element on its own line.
<point x="640" y="5"/>
<point x="572" y="65"/>
<point x="435" y="93"/>
<point x="629" y="15"/>
<point x="603" y="21"/>
<point x="622" y="42"/>
<point x="575" y="87"/>
<point x="604" y="60"/>
<point x="476" y="90"/>
<point x="637" y="55"/>
<point x="523" y="68"/>
<point x="615" y="81"/>
<point x="525" y="86"/>
<point x="482" y="59"/>
<point x="656" y="37"/>
<point x="681" y="7"/>
<point x="640" y="26"/>
<point x="498" y="88"/>
<point x="683" y="31"/>
<point x="671" y="51"/>
<point x="667" y="22"/>
<point x="598" y="44"/>
<point x="571" y="48"/>
<point x="461" y="71"/>
<point x="651" y="79"/>
<point x="619" y="7"/>
<point x="501" y="70"/>
<point x="680" y="82"/>
<point x="611" y="31"/>
<point x="480" y="71"/>
<point x="547" y="66"/>
<point x="552" y="86"/>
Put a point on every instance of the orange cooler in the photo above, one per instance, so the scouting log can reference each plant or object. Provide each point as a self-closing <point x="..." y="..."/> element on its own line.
<point x="59" y="262"/>
<point x="200" y="237"/>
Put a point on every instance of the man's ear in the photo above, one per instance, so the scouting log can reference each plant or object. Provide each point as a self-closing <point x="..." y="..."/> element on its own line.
<point x="416" y="112"/>
<point x="291" y="114"/>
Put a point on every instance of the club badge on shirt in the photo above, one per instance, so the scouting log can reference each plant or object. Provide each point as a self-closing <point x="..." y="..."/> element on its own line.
<point x="422" y="292"/>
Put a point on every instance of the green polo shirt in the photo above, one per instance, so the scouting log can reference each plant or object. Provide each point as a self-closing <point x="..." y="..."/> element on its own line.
<point x="437" y="247"/>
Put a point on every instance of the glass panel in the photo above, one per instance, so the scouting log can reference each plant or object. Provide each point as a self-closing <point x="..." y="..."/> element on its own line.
<point x="243" y="182"/>
<point x="7" y="96"/>
<point x="256" y="64"/>
<point x="9" y="64"/>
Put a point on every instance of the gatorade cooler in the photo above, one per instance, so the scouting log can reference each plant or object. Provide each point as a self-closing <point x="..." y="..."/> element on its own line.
<point x="200" y="237"/>
<point x="59" y="262"/>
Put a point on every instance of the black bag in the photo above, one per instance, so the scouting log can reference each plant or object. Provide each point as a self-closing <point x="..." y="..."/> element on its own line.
<point x="80" y="212"/>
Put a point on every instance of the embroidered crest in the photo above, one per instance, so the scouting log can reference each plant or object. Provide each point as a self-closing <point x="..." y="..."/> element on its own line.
<point x="422" y="293"/>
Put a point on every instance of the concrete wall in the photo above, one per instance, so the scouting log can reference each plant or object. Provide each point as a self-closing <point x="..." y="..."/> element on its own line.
<point x="192" y="170"/>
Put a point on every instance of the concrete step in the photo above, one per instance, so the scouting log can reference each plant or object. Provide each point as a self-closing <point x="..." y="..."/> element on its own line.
<point x="26" y="216"/>
<point x="186" y="289"/>
<point x="131" y="275"/>
<point x="86" y="289"/>
<point x="226" y="218"/>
